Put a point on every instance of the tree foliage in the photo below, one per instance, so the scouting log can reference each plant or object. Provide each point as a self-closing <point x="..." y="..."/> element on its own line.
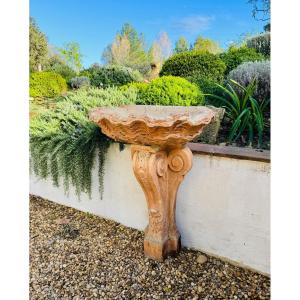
<point x="208" y="45"/>
<point x="128" y="50"/>
<point x="121" y="50"/>
<point x="165" y="45"/>
<point x="181" y="45"/>
<point x="38" y="47"/>
<point x="72" y="56"/>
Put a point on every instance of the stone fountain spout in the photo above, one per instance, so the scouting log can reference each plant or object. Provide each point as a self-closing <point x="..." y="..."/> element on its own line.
<point x="160" y="158"/>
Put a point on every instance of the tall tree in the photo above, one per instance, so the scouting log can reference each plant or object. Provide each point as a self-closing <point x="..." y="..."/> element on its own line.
<point x="72" y="55"/>
<point x="38" y="46"/>
<point x="136" y="59"/>
<point x="207" y="45"/>
<point x="181" y="45"/>
<point x="120" y="50"/>
<point x="165" y="45"/>
<point x="155" y="53"/>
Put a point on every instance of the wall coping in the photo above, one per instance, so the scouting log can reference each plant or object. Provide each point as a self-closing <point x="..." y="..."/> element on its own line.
<point x="231" y="152"/>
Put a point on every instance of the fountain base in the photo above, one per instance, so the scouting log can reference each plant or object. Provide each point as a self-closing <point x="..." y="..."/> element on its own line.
<point x="160" y="172"/>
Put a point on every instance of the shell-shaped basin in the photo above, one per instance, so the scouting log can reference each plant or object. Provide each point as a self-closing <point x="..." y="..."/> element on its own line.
<point x="165" y="126"/>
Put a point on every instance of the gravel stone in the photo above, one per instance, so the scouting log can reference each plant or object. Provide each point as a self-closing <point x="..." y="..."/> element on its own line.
<point x="79" y="256"/>
<point x="201" y="259"/>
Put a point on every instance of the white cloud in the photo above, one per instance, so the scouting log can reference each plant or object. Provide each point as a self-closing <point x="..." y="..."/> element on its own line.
<point x="193" y="24"/>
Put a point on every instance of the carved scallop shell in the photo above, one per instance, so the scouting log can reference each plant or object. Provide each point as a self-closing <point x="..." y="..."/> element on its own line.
<point x="152" y="125"/>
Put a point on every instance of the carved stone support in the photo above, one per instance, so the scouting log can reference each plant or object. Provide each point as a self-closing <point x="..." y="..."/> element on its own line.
<point x="159" y="172"/>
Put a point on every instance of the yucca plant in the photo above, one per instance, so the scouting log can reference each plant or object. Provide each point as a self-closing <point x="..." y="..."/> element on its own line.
<point x="245" y="113"/>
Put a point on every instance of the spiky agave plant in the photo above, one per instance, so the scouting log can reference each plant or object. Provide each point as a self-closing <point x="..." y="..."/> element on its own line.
<point x="63" y="142"/>
<point x="245" y="113"/>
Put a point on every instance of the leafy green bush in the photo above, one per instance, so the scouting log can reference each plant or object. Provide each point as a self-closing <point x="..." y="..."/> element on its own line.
<point x="46" y="84"/>
<point x="104" y="77"/>
<point x="171" y="90"/>
<point x="63" y="142"/>
<point x="207" y="86"/>
<point x="235" y="56"/>
<point x="261" y="43"/>
<point x="194" y="64"/>
<point x="62" y="69"/>
<point x="199" y="67"/>
<point x="246" y="115"/>
<point x="139" y="87"/>
<point x="90" y="71"/>
<point x="79" y="82"/>
<point x="248" y="71"/>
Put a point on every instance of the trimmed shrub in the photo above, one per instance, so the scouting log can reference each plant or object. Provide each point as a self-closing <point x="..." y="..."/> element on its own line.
<point x="104" y="77"/>
<point x="46" y="84"/>
<point x="194" y="64"/>
<point x="171" y="90"/>
<point x="199" y="67"/>
<point x="207" y="86"/>
<point x="261" y="43"/>
<point x="246" y="72"/>
<point x="79" y="82"/>
<point x="139" y="87"/>
<point x="235" y="56"/>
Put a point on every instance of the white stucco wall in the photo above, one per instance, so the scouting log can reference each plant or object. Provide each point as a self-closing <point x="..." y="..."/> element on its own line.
<point x="223" y="204"/>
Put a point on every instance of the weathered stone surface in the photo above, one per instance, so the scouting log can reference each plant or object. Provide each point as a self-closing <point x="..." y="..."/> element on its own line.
<point x="209" y="134"/>
<point x="160" y="160"/>
<point x="171" y="126"/>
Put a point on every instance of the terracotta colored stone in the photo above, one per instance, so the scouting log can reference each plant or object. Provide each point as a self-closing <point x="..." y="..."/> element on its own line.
<point x="160" y="160"/>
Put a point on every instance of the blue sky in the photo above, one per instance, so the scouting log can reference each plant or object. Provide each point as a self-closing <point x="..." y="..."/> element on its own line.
<point x="93" y="24"/>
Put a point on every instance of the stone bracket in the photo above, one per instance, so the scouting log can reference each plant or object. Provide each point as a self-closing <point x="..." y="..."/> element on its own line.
<point x="160" y="172"/>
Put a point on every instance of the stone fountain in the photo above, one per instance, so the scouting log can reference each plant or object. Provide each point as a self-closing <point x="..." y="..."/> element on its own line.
<point x="160" y="158"/>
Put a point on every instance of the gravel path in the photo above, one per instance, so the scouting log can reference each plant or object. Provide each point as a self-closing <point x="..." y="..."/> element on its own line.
<point x="75" y="255"/>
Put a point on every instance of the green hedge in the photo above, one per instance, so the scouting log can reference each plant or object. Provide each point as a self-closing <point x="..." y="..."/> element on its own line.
<point x="103" y="77"/>
<point x="199" y="67"/>
<point x="171" y="90"/>
<point x="235" y="56"/>
<point x="194" y="63"/>
<point x="46" y="84"/>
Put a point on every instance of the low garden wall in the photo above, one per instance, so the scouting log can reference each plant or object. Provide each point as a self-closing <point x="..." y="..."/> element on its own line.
<point x="223" y="204"/>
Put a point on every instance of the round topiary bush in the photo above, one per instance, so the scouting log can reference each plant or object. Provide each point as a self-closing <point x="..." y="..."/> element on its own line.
<point x="46" y="84"/>
<point x="235" y="56"/>
<point x="171" y="90"/>
<point x="194" y="63"/>
<point x="139" y="87"/>
<point x="201" y="68"/>
<point x="104" y="77"/>
<point x="261" y="43"/>
<point x="247" y="71"/>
